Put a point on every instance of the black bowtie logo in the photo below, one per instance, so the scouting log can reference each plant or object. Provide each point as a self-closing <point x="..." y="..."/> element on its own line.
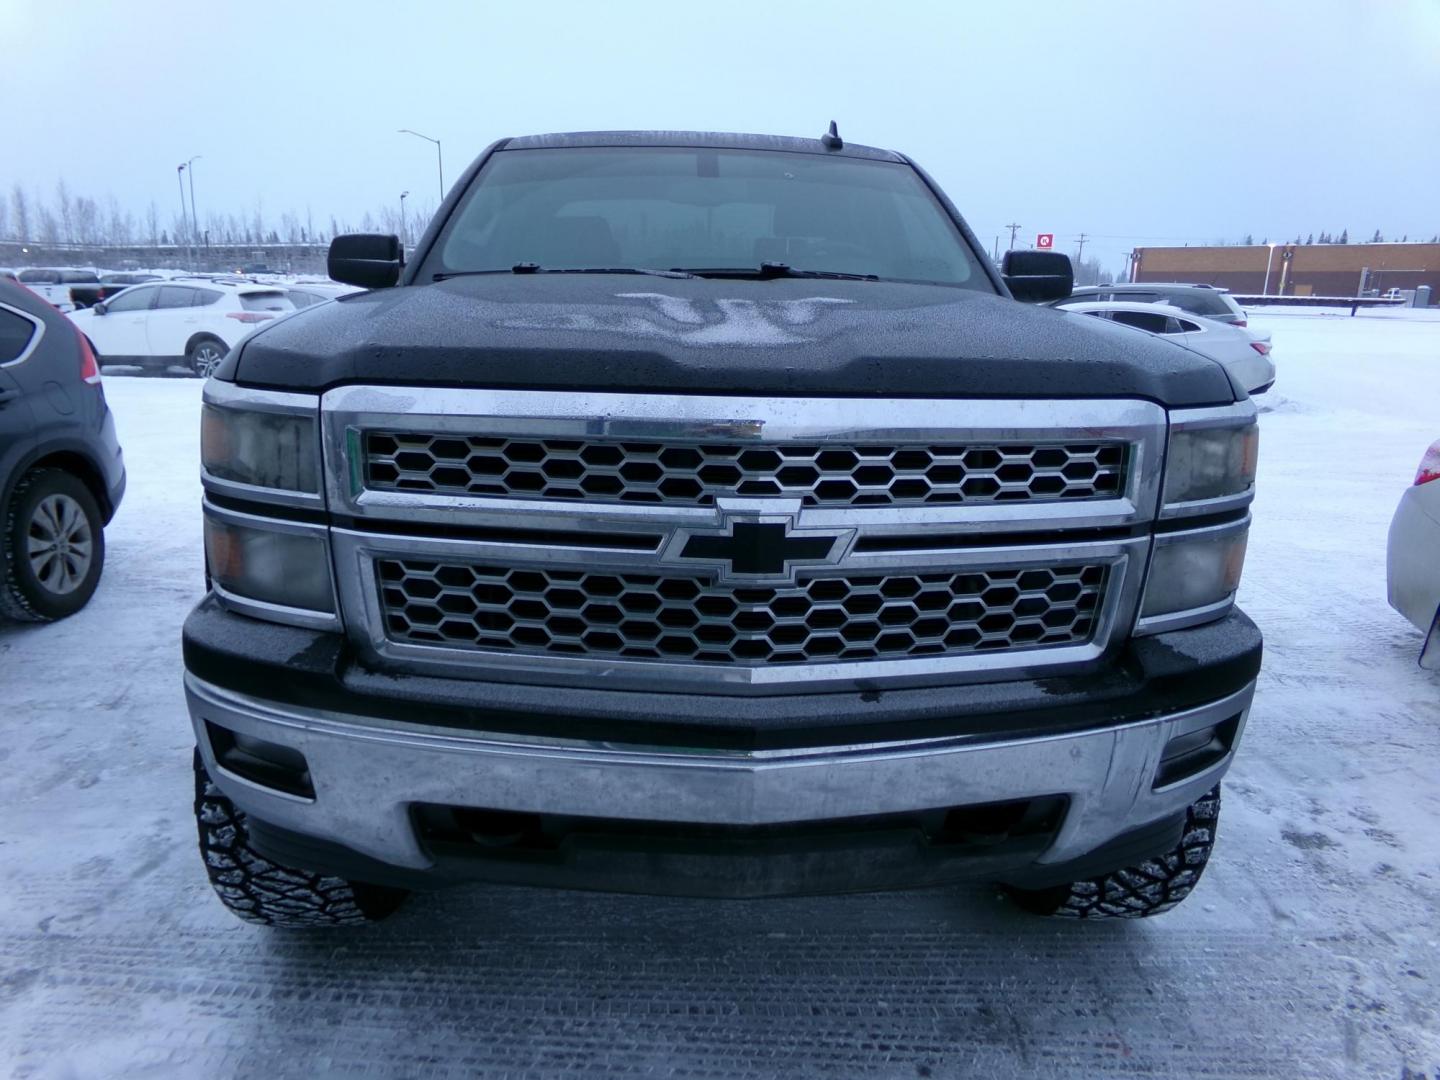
<point x="755" y="549"/>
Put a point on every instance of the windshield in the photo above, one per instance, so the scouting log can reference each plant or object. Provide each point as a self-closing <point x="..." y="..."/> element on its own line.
<point x="663" y="208"/>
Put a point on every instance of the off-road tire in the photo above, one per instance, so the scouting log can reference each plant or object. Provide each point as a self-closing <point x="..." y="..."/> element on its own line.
<point x="205" y="355"/>
<point x="264" y="892"/>
<point x="23" y="596"/>
<point x="1151" y="887"/>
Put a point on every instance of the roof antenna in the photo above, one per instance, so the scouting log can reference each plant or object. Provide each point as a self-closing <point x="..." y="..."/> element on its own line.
<point x="831" y="139"/>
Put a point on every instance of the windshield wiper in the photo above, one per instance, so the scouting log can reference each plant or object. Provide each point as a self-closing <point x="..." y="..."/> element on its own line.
<point x="768" y="270"/>
<point x="536" y="268"/>
<point x="464" y="273"/>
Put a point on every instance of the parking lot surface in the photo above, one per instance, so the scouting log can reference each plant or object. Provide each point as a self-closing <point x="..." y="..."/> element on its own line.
<point x="1311" y="949"/>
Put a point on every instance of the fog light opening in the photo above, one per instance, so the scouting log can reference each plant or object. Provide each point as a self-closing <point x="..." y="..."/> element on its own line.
<point x="268" y="764"/>
<point x="1195" y="751"/>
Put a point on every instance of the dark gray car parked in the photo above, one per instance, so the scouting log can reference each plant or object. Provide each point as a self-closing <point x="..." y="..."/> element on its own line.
<point x="62" y="472"/>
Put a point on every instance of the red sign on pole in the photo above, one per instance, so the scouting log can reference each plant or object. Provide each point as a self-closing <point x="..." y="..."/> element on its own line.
<point x="1045" y="241"/>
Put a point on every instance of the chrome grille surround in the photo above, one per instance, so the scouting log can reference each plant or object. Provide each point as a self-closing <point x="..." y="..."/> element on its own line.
<point x="646" y="542"/>
<point x="699" y="473"/>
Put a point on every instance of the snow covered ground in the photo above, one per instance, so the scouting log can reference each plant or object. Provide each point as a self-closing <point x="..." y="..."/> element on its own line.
<point x="1311" y="949"/>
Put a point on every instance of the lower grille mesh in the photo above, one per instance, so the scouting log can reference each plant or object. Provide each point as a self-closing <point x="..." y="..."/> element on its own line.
<point x="690" y="619"/>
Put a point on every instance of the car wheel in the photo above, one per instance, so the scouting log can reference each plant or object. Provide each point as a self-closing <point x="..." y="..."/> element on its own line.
<point x="1150" y="887"/>
<point x="205" y="356"/>
<point x="264" y="892"/>
<point x="53" y="547"/>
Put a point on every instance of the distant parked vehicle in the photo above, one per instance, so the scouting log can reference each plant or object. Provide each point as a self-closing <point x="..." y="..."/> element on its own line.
<point x="188" y="322"/>
<point x="304" y="293"/>
<point x="67" y="289"/>
<point x="62" y="473"/>
<point x="8" y="274"/>
<point x="1412" y="566"/>
<point x="1207" y="301"/>
<point x="1245" y="354"/>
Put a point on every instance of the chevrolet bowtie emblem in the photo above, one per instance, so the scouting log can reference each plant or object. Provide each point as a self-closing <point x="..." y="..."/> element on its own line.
<point x="759" y="548"/>
<point x="753" y="548"/>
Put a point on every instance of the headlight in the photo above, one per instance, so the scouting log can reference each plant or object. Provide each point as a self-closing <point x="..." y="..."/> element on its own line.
<point x="272" y="563"/>
<point x="260" y="449"/>
<point x="1192" y="575"/>
<point x="1210" y="462"/>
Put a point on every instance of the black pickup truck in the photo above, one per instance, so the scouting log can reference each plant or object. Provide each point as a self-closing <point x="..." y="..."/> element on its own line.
<point x="705" y="514"/>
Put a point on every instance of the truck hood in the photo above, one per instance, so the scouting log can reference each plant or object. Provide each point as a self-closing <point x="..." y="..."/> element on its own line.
<point x="782" y="337"/>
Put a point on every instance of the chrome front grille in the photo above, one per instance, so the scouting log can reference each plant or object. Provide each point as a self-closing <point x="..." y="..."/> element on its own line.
<point x="687" y="618"/>
<point x="699" y="473"/>
<point x="733" y="545"/>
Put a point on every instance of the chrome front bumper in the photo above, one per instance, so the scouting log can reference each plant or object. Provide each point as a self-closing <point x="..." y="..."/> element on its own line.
<point x="366" y="774"/>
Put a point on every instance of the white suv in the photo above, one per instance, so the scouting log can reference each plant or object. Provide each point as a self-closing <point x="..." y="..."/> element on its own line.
<point x="194" y="322"/>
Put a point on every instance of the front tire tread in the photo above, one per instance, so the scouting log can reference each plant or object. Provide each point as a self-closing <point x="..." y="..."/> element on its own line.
<point x="1150" y="887"/>
<point x="266" y="893"/>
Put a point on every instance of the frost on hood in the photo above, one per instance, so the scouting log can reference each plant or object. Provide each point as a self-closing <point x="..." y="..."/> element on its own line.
<point x="695" y="322"/>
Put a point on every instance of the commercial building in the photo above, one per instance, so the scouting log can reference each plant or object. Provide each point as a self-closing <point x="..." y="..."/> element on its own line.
<point x="1294" y="269"/>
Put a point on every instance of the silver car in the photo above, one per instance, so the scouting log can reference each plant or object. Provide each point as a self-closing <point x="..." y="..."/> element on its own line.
<point x="1245" y="353"/>
<point x="1413" y="558"/>
<point x="1207" y="301"/>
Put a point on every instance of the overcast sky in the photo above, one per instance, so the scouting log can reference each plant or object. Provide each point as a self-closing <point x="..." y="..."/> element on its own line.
<point x="1133" y="122"/>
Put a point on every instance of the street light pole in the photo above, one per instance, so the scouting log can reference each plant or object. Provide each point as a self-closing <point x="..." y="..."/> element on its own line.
<point x="403" y="195"/>
<point x="194" y="215"/>
<point x="180" y="179"/>
<point x="439" y="160"/>
<point x="1265" y="289"/>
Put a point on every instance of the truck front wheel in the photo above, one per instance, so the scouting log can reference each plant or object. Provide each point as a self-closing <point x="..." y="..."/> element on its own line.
<point x="1150" y="887"/>
<point x="261" y="891"/>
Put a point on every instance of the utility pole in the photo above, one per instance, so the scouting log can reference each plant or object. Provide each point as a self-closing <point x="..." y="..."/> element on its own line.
<point x="995" y="255"/>
<point x="1013" y="230"/>
<point x="439" y="158"/>
<point x="403" y="196"/>
<point x="194" y="217"/>
<point x="1079" y="249"/>
<point x="180" y="179"/>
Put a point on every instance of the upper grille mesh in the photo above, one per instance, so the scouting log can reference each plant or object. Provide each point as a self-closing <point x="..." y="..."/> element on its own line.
<point x="696" y="474"/>
<point x="546" y="611"/>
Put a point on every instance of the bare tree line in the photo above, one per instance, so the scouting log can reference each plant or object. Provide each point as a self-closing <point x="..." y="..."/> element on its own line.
<point x="80" y="220"/>
<point x="70" y="218"/>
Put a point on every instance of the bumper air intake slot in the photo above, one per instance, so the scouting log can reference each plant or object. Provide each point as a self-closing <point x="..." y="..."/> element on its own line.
<point x="990" y="828"/>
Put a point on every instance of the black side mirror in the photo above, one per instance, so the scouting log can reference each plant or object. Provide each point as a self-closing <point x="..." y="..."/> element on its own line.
<point x="98" y="307"/>
<point x="1037" y="276"/>
<point x="370" y="260"/>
